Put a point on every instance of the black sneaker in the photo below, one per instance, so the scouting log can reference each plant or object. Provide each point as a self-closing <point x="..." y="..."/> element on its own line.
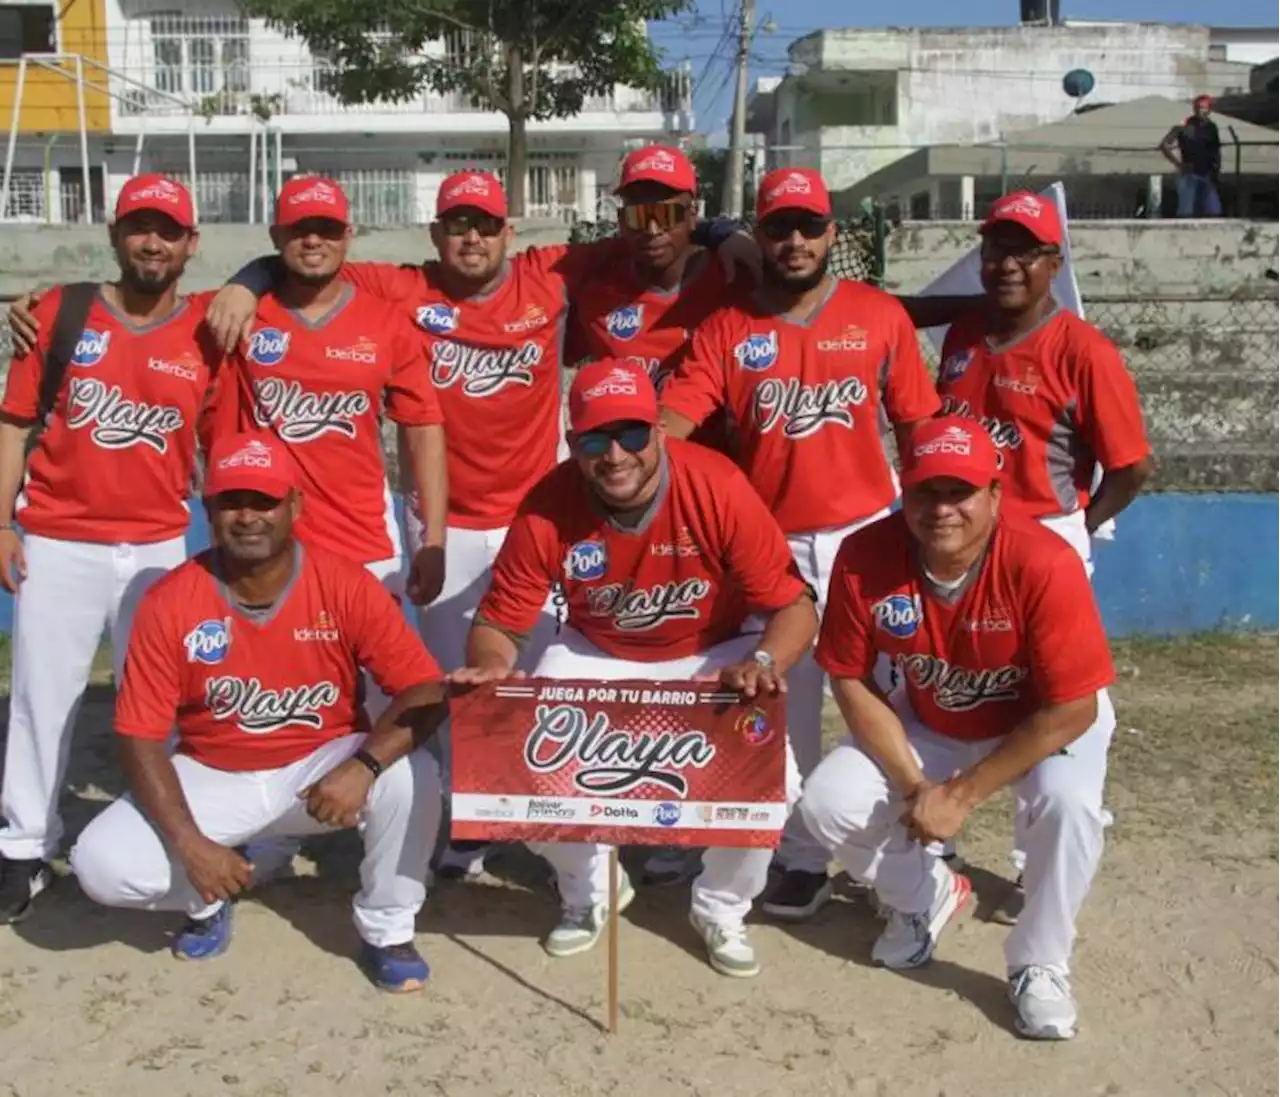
<point x="1010" y="908"/>
<point x="799" y="895"/>
<point x="463" y="860"/>
<point x="20" y="883"/>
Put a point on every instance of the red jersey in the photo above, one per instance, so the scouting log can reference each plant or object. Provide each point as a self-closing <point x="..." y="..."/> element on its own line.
<point x="114" y="465"/>
<point x="707" y="554"/>
<point x="257" y="694"/>
<point x="1021" y="633"/>
<point x="618" y="316"/>
<point x="1056" y="402"/>
<point x="809" y="399"/>
<point x="495" y="361"/>
<point x="320" y="387"/>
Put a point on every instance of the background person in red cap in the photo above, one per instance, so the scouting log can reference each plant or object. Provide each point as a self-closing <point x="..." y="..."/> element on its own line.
<point x="253" y="650"/>
<point x="810" y="369"/>
<point x="103" y="505"/>
<point x="1198" y="160"/>
<point x="493" y="326"/>
<point x="662" y="552"/>
<point x="992" y="626"/>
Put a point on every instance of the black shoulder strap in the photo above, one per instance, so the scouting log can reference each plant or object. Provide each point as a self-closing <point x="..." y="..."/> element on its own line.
<point x="73" y="311"/>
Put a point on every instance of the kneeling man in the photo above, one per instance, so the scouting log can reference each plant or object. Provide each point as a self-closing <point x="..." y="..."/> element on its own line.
<point x="670" y="567"/>
<point x="253" y="650"/>
<point x="992" y="626"/>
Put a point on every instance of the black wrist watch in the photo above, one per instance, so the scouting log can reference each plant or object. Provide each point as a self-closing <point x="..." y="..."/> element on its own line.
<point x="368" y="761"/>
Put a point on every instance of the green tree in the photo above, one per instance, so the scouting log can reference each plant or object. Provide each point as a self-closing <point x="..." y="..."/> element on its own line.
<point x="529" y="59"/>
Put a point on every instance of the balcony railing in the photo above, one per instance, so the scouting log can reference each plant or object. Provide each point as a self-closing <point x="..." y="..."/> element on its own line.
<point x="237" y="84"/>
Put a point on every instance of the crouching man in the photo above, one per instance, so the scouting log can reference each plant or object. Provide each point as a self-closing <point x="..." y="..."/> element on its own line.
<point x="253" y="650"/>
<point x="670" y="567"/>
<point x="992" y="626"/>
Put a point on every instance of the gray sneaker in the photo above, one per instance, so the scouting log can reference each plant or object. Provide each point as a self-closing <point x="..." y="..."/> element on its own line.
<point x="1042" y="1002"/>
<point x="908" y="940"/>
<point x="729" y="950"/>
<point x="580" y="929"/>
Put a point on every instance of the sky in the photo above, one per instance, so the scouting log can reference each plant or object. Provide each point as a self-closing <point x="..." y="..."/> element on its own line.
<point x="698" y="36"/>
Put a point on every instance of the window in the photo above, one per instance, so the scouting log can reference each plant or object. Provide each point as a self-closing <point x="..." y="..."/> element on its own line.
<point x="198" y="56"/>
<point x="26" y="28"/>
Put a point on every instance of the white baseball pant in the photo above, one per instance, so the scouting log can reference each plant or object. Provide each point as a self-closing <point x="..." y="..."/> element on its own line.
<point x="121" y="861"/>
<point x="73" y="591"/>
<point x="731" y="878"/>
<point x="815" y="555"/>
<point x="1059" y="822"/>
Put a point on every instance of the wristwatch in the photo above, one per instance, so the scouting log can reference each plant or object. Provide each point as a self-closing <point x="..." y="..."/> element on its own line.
<point x="763" y="658"/>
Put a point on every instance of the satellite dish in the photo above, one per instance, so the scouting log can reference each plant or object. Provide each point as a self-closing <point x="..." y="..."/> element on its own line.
<point x="1078" y="83"/>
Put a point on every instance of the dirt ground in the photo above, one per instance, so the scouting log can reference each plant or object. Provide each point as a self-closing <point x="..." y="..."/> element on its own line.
<point x="1176" y="968"/>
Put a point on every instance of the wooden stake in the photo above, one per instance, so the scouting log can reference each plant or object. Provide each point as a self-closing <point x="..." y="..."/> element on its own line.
<point x="613" y="940"/>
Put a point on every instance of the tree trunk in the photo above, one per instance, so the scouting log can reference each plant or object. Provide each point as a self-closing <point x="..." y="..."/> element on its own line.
<point x="518" y="134"/>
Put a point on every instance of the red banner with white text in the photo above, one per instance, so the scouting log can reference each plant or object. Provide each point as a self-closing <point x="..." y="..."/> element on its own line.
<point x="623" y="763"/>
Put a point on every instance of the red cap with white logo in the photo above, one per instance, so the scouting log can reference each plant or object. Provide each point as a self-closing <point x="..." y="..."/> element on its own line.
<point x="1039" y="216"/>
<point x="792" y="188"/>
<point x="611" y="391"/>
<point x="658" y="164"/>
<point x="306" y="196"/>
<point x="951" y="447"/>
<point x="158" y="194"/>
<point x="475" y="189"/>
<point x="248" y="462"/>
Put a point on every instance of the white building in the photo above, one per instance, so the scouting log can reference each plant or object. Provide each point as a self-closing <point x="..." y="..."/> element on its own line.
<point x="196" y="74"/>
<point x="854" y="101"/>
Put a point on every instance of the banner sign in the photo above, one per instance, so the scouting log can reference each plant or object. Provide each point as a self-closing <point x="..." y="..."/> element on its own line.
<point x="622" y="763"/>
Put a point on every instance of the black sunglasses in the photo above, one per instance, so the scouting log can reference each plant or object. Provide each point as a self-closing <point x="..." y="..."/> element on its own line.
<point x="459" y="224"/>
<point x="633" y="437"/>
<point x="781" y="225"/>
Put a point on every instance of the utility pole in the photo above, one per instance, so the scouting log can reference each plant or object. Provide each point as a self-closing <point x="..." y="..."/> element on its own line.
<point x="737" y="135"/>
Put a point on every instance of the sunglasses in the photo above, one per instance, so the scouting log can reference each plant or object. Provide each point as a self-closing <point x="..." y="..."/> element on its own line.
<point x="1025" y="255"/>
<point x="633" y="437"/>
<point x="324" y="227"/>
<point x="781" y="225"/>
<point x="459" y="224"/>
<point x="666" y="215"/>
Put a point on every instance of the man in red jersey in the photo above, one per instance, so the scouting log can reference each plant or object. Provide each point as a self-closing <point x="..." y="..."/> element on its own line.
<point x="670" y="568"/>
<point x="102" y="506"/>
<point x="646" y="311"/>
<point x="1052" y="391"/>
<point x="992" y="626"/>
<point x="811" y="369"/>
<point x="254" y="649"/>
<point x="494" y="329"/>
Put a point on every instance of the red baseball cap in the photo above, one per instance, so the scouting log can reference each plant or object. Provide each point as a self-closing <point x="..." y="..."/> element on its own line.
<point x="1039" y="216"/>
<point x="477" y="189"/>
<point x="611" y="391"/>
<point x="248" y="462"/>
<point x="793" y="188"/>
<point x="950" y="446"/>
<point x="658" y="164"/>
<point x="306" y="196"/>
<point x="159" y="194"/>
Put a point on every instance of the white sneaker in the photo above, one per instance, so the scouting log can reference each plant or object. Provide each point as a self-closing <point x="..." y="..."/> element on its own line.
<point x="580" y="929"/>
<point x="728" y="949"/>
<point x="909" y="939"/>
<point x="1042" y="1002"/>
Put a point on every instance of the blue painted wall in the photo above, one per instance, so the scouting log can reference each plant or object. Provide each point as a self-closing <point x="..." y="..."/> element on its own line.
<point x="1180" y="564"/>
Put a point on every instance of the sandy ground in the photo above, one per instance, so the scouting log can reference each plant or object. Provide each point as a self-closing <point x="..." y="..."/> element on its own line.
<point x="1176" y="969"/>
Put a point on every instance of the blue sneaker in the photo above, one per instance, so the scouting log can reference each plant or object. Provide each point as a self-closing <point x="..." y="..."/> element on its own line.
<point x="397" y="968"/>
<point x="204" y="938"/>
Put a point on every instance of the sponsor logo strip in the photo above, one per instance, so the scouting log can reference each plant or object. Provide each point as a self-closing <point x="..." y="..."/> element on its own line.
<point x="480" y="807"/>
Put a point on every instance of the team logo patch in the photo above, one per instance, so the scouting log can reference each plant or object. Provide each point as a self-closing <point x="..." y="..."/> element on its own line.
<point x="956" y="364"/>
<point x="209" y="641"/>
<point x="91" y="347"/>
<point x="438" y="319"/>
<point x="666" y="814"/>
<point x="625" y="323"/>
<point x="757" y="352"/>
<point x="754" y="727"/>
<point x="587" y="560"/>
<point x="899" y="615"/>
<point x="268" y="346"/>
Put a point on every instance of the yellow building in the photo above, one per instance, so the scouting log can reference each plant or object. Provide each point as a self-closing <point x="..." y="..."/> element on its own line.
<point x="49" y="98"/>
